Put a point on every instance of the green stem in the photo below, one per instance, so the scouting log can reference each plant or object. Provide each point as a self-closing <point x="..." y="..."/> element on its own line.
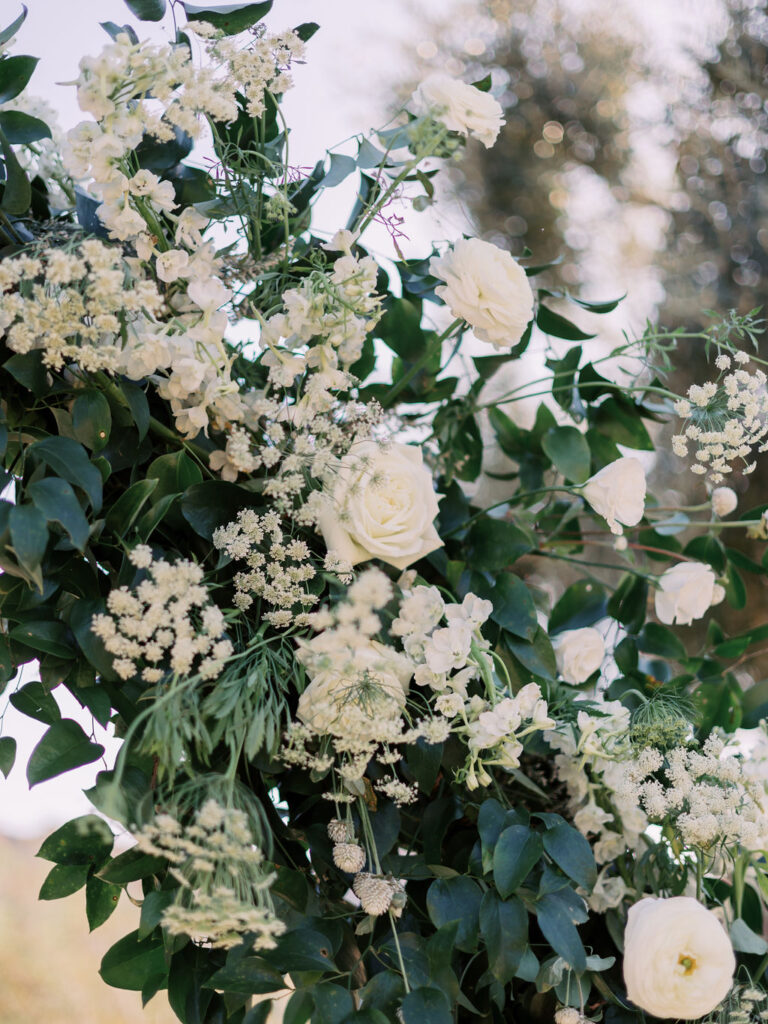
<point x="519" y="496"/>
<point x="399" y="953"/>
<point x="407" y="377"/>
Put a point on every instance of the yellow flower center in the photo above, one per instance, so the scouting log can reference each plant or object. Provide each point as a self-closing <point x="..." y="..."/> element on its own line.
<point x="687" y="962"/>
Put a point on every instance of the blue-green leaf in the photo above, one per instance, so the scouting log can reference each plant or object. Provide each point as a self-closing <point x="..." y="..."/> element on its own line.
<point x="517" y="850"/>
<point x="572" y="853"/>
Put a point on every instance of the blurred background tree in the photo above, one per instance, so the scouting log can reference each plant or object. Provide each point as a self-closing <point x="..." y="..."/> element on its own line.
<point x="635" y="149"/>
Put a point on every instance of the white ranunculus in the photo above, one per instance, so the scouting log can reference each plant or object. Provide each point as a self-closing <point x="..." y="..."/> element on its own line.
<point x="617" y="493"/>
<point x="352" y="692"/>
<point x="382" y="504"/>
<point x="460" y="107"/>
<point x="678" y="959"/>
<point x="685" y="592"/>
<point x="579" y="653"/>
<point x="488" y="288"/>
<point x="724" y="501"/>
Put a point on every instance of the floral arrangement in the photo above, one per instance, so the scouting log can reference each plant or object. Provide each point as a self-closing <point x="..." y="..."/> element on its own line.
<point x="407" y="755"/>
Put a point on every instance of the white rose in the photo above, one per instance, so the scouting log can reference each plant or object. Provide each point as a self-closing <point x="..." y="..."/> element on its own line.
<point x="382" y="505"/>
<point x="617" y="493"/>
<point x="724" y="501"/>
<point x="352" y="691"/>
<point x="678" y="959"/>
<point x="460" y="107"/>
<point x="488" y="288"/>
<point x="578" y="653"/>
<point x="685" y="592"/>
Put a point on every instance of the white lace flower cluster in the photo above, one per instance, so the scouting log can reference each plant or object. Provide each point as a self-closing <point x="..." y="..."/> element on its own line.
<point x="590" y="761"/>
<point x="168" y="623"/>
<point x="278" y="566"/>
<point x="224" y="880"/>
<point x="726" y="419"/>
<point x="355" y="703"/>
<point x="73" y="303"/>
<point x="708" y="798"/>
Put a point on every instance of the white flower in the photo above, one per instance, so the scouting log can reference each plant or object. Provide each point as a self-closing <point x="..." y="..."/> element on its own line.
<point x="171" y="264"/>
<point x="686" y="591"/>
<point x="485" y="286"/>
<point x="381" y="505"/>
<point x="460" y="107"/>
<point x="449" y="648"/>
<point x="617" y="493"/>
<point x="356" y="690"/>
<point x="678" y="960"/>
<point x="724" y="501"/>
<point x="579" y="653"/>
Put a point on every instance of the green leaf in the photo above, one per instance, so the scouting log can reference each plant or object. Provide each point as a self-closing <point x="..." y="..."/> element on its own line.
<point x="554" y="914"/>
<point x="707" y="549"/>
<point x="139" y="406"/>
<point x="147" y="10"/>
<point x="69" y="460"/>
<point x="572" y="853"/>
<point x="130" y="866"/>
<point x="598" y="307"/>
<point x="131" y="962"/>
<point x="513" y="606"/>
<point x="504" y="926"/>
<point x="456" y="899"/>
<point x="251" y="975"/>
<point x="126" y="509"/>
<point x="57" y="501"/>
<point x="426" y="1006"/>
<point x="28" y="369"/>
<point x="582" y="604"/>
<point x="302" y="949"/>
<point x="423" y="761"/>
<point x="620" y="420"/>
<point x="62" y="880"/>
<point x="101" y="899"/>
<point x="63" y="747"/>
<point x="13" y="28"/>
<point x="557" y="326"/>
<point x="517" y="850"/>
<point x="20" y="128"/>
<point x="628" y="602"/>
<point x="213" y="503"/>
<point x="537" y="655"/>
<point x="92" y="419"/>
<point x="7" y="754"/>
<point x="15" y="73"/>
<point x="495" y="544"/>
<point x="92" y="647"/>
<point x="17" y="193"/>
<point x="656" y="639"/>
<point x="229" y="18"/>
<point x="152" y="909"/>
<point x="36" y="702"/>
<point x="85" y="840"/>
<point x="47" y="637"/>
<point x="332" y="1003"/>
<point x="744" y="940"/>
<point x="567" y="449"/>
<point x="29" y="535"/>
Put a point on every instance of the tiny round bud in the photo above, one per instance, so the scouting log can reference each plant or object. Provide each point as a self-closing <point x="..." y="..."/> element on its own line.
<point x="724" y="501"/>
